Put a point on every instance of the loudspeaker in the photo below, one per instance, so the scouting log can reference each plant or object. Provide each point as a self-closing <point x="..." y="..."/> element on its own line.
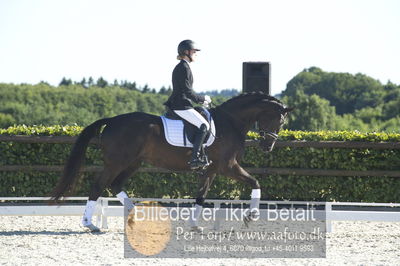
<point x="257" y="77"/>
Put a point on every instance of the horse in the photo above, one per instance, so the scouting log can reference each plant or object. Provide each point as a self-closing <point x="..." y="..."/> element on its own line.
<point x="128" y="140"/>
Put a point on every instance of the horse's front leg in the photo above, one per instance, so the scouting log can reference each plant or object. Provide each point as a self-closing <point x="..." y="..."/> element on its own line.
<point x="205" y="180"/>
<point x="238" y="173"/>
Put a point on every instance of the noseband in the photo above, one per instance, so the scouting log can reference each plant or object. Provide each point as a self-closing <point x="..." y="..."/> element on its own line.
<point x="264" y="134"/>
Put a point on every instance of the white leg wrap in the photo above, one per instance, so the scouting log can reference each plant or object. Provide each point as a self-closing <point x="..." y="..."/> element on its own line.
<point x="194" y="219"/>
<point x="255" y="199"/>
<point x="124" y="199"/>
<point x="256" y="193"/>
<point x="87" y="215"/>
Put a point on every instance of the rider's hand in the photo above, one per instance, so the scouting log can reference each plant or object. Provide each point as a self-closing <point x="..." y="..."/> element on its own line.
<point x="207" y="99"/>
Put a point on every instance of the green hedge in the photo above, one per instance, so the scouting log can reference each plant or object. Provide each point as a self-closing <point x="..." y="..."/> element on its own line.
<point x="274" y="187"/>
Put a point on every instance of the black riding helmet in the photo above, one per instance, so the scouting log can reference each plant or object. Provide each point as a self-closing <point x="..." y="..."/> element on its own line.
<point x="186" y="45"/>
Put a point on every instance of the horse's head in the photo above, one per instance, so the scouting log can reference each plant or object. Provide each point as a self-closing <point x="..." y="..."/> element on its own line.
<point x="268" y="112"/>
<point x="269" y="123"/>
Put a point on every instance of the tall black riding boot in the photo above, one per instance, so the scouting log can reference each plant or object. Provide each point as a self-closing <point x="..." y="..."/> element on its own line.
<point x="196" y="162"/>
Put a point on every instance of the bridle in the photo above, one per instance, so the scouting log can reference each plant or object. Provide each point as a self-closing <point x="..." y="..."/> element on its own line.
<point x="270" y="137"/>
<point x="264" y="134"/>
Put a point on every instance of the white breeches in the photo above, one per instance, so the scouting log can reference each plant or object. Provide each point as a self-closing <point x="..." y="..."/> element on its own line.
<point x="193" y="117"/>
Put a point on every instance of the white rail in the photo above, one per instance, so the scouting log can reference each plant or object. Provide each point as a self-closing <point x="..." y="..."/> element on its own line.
<point x="103" y="210"/>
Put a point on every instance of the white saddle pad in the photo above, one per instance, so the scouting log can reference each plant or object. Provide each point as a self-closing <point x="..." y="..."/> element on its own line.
<point x="173" y="130"/>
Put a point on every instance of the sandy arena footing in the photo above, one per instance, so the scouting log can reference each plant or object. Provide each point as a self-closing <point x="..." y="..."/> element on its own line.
<point x="60" y="240"/>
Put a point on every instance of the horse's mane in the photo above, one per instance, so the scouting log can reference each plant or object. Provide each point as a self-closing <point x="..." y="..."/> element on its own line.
<point x="249" y="97"/>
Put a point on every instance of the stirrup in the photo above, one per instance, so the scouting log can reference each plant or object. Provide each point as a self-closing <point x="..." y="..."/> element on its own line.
<point x="198" y="164"/>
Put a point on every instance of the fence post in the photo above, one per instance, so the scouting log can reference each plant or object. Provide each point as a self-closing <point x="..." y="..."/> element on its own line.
<point x="328" y="212"/>
<point x="104" y="207"/>
<point x="217" y="221"/>
<point x="98" y="211"/>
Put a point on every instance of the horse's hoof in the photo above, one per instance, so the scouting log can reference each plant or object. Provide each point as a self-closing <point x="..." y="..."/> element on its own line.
<point x="197" y="229"/>
<point x="247" y="221"/>
<point x="92" y="228"/>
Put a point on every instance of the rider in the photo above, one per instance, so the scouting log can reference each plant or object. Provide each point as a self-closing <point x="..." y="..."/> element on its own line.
<point x="182" y="96"/>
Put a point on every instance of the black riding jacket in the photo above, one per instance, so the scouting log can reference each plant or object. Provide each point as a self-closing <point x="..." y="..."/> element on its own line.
<point x="182" y="85"/>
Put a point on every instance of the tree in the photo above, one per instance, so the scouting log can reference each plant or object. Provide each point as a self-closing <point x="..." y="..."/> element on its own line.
<point x="368" y="114"/>
<point x="145" y="89"/>
<point x="163" y="90"/>
<point x="311" y="112"/>
<point x="42" y="82"/>
<point x="344" y="91"/>
<point x="392" y="92"/>
<point x="90" y="82"/>
<point x="128" y="85"/>
<point x="102" y="83"/>
<point x="302" y="81"/>
<point x="65" y="82"/>
<point x="169" y="90"/>
<point x="83" y="83"/>
<point x="391" y="109"/>
<point x="6" y="120"/>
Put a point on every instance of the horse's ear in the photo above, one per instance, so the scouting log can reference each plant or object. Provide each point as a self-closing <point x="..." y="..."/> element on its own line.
<point x="288" y="109"/>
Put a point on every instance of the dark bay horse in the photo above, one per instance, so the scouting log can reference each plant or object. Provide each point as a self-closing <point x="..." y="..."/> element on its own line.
<point x="128" y="140"/>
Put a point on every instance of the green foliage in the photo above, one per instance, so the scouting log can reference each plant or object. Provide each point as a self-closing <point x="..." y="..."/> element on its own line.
<point x="323" y="101"/>
<point x="344" y="91"/>
<point x="370" y="189"/>
<point x="333" y="101"/>
<point x="6" y="120"/>
<point x="45" y="105"/>
<point x="339" y="136"/>
<point x="79" y="103"/>
<point x="311" y="113"/>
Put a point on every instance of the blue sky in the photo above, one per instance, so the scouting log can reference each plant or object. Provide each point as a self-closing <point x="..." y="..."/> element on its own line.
<point x="136" y="40"/>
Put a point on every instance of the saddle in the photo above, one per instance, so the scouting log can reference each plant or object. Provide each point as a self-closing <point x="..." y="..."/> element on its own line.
<point x="179" y="132"/>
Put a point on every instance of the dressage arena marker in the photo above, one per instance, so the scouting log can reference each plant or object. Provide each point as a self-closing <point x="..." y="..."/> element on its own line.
<point x="103" y="209"/>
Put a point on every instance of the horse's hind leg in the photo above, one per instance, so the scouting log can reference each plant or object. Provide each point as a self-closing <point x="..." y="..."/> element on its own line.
<point x="119" y="181"/>
<point x="95" y="191"/>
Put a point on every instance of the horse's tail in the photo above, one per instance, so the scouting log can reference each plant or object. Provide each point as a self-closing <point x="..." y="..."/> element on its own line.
<point x="75" y="161"/>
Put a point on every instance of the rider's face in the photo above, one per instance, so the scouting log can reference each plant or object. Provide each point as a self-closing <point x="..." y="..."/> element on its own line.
<point x="193" y="54"/>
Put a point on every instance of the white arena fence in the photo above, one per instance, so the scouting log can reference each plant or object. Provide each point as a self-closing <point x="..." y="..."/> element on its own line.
<point x="335" y="211"/>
